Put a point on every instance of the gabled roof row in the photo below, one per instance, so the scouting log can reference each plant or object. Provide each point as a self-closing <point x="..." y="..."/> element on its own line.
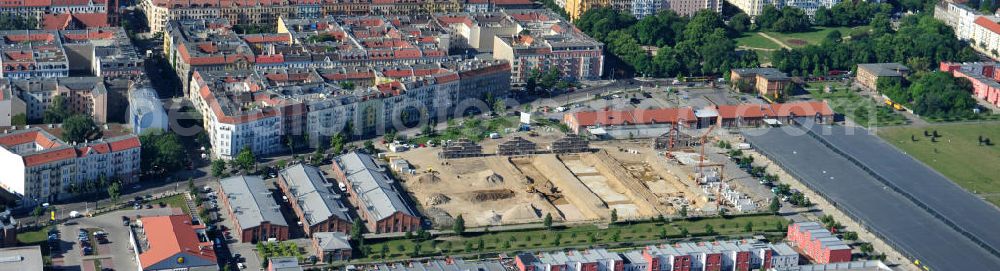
<point x="375" y="190"/>
<point x="315" y="196"/>
<point x="251" y="202"/>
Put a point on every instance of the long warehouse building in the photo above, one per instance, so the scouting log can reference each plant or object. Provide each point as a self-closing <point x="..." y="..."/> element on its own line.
<point x="889" y="213"/>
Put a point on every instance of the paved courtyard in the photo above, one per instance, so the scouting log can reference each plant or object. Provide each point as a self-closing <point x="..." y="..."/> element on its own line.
<point x="117" y="253"/>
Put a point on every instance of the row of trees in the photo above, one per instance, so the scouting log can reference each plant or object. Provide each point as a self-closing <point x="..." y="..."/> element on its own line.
<point x="920" y="42"/>
<point x="850" y="13"/>
<point x="700" y="45"/>
<point x="17" y="22"/>
<point x="787" y="19"/>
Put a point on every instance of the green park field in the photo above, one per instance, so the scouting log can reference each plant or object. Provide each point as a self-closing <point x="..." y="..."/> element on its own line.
<point x="956" y="153"/>
<point x="803" y="39"/>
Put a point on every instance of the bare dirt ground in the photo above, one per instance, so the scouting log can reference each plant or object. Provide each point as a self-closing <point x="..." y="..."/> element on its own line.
<point x="484" y="190"/>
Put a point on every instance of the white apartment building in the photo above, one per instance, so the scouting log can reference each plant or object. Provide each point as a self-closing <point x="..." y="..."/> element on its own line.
<point x="231" y="126"/>
<point x="981" y="31"/>
<point x="41" y="168"/>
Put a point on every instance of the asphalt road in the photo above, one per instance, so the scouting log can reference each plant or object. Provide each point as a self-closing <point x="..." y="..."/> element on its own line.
<point x="896" y="219"/>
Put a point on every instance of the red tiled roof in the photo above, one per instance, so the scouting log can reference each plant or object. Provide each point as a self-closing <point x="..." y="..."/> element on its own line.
<point x="28" y="137"/>
<point x="171" y="235"/>
<point x="26" y="3"/>
<point x="988" y="24"/>
<point x="512" y="2"/>
<point x="802" y="109"/>
<point x="84" y="20"/>
<point x="92" y="20"/>
<point x="49" y="157"/>
<point x="56" y="21"/>
<point x="744" y="110"/>
<point x="774" y="110"/>
<point x="124" y="144"/>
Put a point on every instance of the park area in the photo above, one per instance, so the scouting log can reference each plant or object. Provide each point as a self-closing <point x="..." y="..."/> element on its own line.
<point x="957" y="152"/>
<point x="861" y="110"/>
<point x="803" y="39"/>
<point x="618" y="235"/>
<point x="763" y="46"/>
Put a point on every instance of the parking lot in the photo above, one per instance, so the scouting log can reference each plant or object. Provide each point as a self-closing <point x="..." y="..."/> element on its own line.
<point x="116" y="253"/>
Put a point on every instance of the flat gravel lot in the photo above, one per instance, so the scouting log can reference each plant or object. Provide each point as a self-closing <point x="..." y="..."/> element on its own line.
<point x="898" y="220"/>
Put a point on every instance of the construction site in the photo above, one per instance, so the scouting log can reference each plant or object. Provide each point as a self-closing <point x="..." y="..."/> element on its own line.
<point x="516" y="180"/>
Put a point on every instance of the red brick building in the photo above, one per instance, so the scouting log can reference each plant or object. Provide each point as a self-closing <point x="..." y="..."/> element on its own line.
<point x="315" y="202"/>
<point x="983" y="76"/>
<point x="256" y="216"/>
<point x="331" y="246"/>
<point x="380" y="202"/>
<point x="818" y="243"/>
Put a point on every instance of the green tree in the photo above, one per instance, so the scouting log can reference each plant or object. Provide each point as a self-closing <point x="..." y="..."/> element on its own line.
<point x="683" y="212"/>
<point x="684" y="232"/>
<point x="57" y="112"/>
<point x="114" y="191"/>
<point x="614" y="215"/>
<point x="18" y="22"/>
<point x="161" y="151"/>
<point x="357" y="229"/>
<point x="547" y="221"/>
<point x="748" y="227"/>
<point x="369" y="146"/>
<point x="459" y="226"/>
<point x="740" y="22"/>
<point x="245" y="159"/>
<point x="218" y="168"/>
<point x="78" y="128"/>
<point x="337" y="143"/>
<point x="775" y="205"/>
<point x="500" y="107"/>
<point x="19" y="119"/>
<point x="709" y="230"/>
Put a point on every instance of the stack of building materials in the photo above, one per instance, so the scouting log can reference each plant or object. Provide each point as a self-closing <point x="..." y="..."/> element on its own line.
<point x="517" y="146"/>
<point x="461" y="148"/>
<point x="570" y="144"/>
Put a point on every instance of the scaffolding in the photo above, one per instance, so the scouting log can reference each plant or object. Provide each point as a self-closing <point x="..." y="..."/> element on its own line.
<point x="570" y="144"/>
<point x="461" y="148"/>
<point x="517" y="146"/>
<point x="674" y="140"/>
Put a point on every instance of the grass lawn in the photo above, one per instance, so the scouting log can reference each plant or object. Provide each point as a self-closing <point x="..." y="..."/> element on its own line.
<point x="175" y="201"/>
<point x="36" y="237"/>
<point x="812" y="37"/>
<point x="956" y="154"/>
<point x="474" y="129"/>
<point x="751" y="39"/>
<point x="574" y="236"/>
<point x="861" y="110"/>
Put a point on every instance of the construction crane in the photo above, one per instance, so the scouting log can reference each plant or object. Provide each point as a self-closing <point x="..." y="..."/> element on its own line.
<point x="704" y="140"/>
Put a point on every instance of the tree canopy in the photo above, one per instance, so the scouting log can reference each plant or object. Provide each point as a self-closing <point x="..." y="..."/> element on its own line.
<point x="11" y="21"/>
<point x="787" y="19"/>
<point x="161" y="150"/>
<point x="850" y="13"/>
<point x="79" y="128"/>
<point x="920" y="42"/>
<point x="700" y="45"/>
